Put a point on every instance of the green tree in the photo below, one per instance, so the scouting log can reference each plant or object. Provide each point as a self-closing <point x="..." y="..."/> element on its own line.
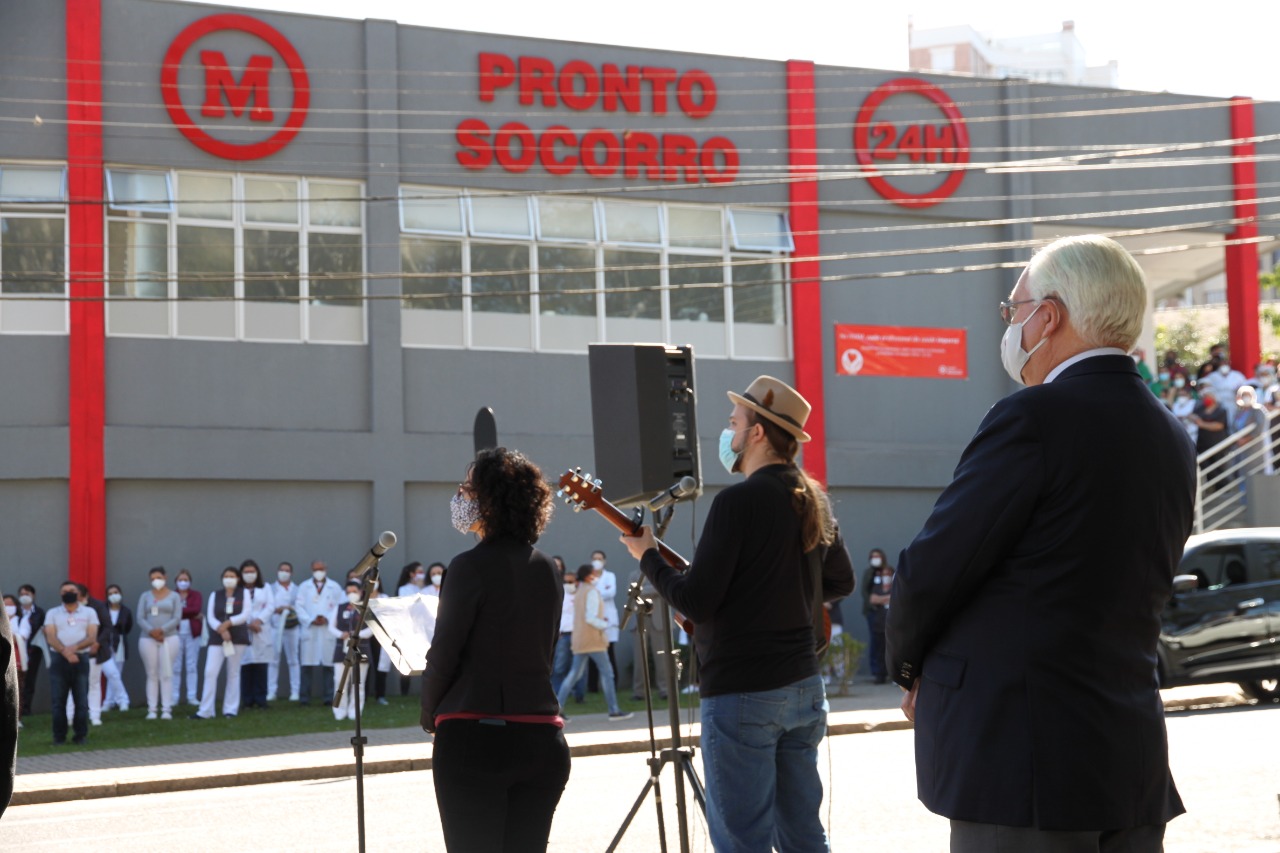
<point x="1186" y="341"/>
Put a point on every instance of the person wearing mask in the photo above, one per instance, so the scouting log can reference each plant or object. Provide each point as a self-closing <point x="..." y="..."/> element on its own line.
<point x="770" y="553"/>
<point x="606" y="583"/>
<point x="564" y="648"/>
<point x="875" y="614"/>
<point x="589" y="643"/>
<point x="257" y="658"/>
<point x="1212" y="425"/>
<point x="1172" y="365"/>
<point x="435" y="578"/>
<point x="1226" y="380"/>
<point x="160" y="619"/>
<point x="99" y="655"/>
<point x="31" y="615"/>
<point x="286" y="628"/>
<point x="70" y="631"/>
<point x="190" y="638"/>
<point x="499" y="761"/>
<point x="413" y="580"/>
<point x="228" y="615"/>
<point x="342" y="622"/>
<point x="121" y="626"/>
<point x="317" y="597"/>
<point x="1250" y="413"/>
<point x="1184" y="406"/>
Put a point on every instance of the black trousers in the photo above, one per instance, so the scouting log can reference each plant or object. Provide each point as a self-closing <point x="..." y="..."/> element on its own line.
<point x="497" y="786"/>
<point x="253" y="685"/>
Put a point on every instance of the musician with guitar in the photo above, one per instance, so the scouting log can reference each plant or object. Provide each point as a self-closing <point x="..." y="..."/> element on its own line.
<point x="752" y="595"/>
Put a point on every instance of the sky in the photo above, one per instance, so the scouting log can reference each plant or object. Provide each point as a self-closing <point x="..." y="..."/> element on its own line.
<point x="1158" y="48"/>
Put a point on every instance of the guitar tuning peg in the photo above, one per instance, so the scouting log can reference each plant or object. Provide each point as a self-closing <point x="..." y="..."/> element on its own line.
<point x="587" y="477"/>
<point x="560" y="493"/>
<point x="597" y="482"/>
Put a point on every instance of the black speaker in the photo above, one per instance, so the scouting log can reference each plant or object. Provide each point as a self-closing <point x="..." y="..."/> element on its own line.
<point x="642" y="414"/>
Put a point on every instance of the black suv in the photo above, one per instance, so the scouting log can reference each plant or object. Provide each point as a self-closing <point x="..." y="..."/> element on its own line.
<point x="1223" y="622"/>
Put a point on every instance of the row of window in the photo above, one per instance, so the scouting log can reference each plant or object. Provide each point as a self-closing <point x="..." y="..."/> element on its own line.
<point x="219" y="256"/>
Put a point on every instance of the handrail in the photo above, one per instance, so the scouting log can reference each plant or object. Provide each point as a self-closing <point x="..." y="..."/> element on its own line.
<point x="1218" y="503"/>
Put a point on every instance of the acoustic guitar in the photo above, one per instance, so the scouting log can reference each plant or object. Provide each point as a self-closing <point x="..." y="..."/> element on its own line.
<point x="581" y="492"/>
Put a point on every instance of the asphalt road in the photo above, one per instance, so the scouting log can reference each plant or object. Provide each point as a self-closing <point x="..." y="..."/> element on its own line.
<point x="1226" y="762"/>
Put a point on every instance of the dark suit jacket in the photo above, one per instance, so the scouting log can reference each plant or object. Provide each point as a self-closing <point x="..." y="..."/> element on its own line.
<point x="495" y="634"/>
<point x="1029" y="608"/>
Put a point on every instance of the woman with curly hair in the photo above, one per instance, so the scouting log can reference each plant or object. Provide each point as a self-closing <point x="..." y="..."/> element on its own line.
<point x="500" y="761"/>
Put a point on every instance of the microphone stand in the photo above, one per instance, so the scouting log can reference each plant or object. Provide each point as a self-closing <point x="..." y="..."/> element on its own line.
<point x="352" y="660"/>
<point x="677" y="754"/>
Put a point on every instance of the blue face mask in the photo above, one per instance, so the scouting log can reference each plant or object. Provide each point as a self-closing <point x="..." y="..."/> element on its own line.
<point x="728" y="456"/>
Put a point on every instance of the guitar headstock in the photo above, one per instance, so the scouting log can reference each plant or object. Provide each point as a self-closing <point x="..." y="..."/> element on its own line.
<point x="579" y="490"/>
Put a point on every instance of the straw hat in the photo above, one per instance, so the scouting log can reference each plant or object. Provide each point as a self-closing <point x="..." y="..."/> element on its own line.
<point x="776" y="400"/>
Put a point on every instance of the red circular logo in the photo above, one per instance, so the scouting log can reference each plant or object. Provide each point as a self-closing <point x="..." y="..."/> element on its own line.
<point x="224" y="91"/>
<point x="945" y="144"/>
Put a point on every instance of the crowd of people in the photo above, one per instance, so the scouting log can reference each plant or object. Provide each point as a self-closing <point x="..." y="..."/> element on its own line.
<point x="262" y="641"/>
<point x="1215" y="402"/>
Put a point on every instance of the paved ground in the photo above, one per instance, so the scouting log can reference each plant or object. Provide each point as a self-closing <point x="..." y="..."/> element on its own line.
<point x="121" y="772"/>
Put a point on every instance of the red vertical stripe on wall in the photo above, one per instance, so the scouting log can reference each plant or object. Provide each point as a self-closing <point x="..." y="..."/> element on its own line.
<point x="87" y="524"/>
<point x="806" y="291"/>
<point x="1242" y="258"/>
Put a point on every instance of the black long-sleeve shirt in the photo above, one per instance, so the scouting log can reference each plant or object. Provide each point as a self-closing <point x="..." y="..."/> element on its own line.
<point x="748" y="589"/>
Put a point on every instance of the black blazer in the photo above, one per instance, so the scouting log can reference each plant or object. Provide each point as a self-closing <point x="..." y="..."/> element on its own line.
<point x="495" y="634"/>
<point x="1029" y="607"/>
<point x="8" y="712"/>
<point x="120" y="634"/>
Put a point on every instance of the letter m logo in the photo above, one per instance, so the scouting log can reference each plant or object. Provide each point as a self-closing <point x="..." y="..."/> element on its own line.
<point x="220" y="83"/>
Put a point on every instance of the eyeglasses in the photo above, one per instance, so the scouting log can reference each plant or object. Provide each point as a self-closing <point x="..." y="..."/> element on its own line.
<point x="1009" y="308"/>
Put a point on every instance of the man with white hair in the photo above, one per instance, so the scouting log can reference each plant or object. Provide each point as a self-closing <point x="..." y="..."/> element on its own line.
<point x="1039" y="725"/>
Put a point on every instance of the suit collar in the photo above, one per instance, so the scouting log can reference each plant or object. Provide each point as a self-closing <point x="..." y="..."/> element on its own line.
<point x="1100" y="364"/>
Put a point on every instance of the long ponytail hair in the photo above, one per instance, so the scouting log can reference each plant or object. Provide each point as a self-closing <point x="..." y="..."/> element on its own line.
<point x="817" y="524"/>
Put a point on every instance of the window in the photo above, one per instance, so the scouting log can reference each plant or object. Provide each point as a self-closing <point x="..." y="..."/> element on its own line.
<point x="33" y="249"/>
<point x="231" y="257"/>
<point x="597" y="270"/>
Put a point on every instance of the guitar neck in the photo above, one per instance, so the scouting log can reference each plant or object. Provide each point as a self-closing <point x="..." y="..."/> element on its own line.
<point x="624" y="523"/>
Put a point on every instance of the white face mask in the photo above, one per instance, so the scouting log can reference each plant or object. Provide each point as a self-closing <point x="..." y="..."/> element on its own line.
<point x="1224" y="369"/>
<point x="598" y="565"/>
<point x="283" y="577"/>
<point x="157" y="583"/>
<point x="318" y="575"/>
<point x="184" y="584"/>
<point x="10" y="610"/>
<point x="25" y="600"/>
<point x="114" y="598"/>
<point x="420" y="578"/>
<point x="436" y="580"/>
<point x="353" y="597"/>
<point x="877" y="562"/>
<point x="229" y="583"/>
<point x="250" y="578"/>
<point x="1012" y="356"/>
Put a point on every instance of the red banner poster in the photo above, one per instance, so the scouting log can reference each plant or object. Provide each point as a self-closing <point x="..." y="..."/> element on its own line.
<point x="901" y="351"/>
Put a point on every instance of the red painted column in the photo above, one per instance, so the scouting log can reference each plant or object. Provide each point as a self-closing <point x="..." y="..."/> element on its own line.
<point x="87" y="523"/>
<point x="1242" y="258"/>
<point x="806" y="291"/>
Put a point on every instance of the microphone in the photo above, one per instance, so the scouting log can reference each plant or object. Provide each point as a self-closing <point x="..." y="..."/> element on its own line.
<point x="384" y="544"/>
<point x="678" y="492"/>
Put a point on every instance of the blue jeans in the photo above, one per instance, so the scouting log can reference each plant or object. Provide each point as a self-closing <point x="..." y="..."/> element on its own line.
<point x="74" y="678"/>
<point x="560" y="667"/>
<point x="760" y="760"/>
<point x="579" y="669"/>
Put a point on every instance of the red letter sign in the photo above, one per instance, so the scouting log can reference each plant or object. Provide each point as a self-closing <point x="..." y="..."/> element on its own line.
<point x="255" y="85"/>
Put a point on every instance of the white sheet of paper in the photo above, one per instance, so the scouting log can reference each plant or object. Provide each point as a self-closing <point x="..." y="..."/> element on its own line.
<point x="404" y="627"/>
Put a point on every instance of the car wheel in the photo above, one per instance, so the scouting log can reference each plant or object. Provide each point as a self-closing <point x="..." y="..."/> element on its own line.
<point x="1264" y="689"/>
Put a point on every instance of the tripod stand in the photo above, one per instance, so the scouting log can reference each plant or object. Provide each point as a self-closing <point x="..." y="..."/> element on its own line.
<point x="678" y="755"/>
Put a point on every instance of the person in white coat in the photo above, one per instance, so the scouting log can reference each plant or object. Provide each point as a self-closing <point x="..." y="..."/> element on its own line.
<point x="228" y="639"/>
<point x="607" y="584"/>
<point x="316" y="599"/>
<point x="342" y="621"/>
<point x="284" y="625"/>
<point x="253" y="669"/>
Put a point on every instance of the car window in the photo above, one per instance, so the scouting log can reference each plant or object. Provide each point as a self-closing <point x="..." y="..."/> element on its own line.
<point x="1216" y="566"/>
<point x="1268" y="567"/>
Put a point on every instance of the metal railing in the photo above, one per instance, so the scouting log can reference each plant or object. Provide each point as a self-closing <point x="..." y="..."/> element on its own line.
<point x="1220" y="488"/>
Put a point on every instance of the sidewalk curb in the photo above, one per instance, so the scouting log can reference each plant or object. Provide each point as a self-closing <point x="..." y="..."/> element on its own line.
<point x="338" y="770"/>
